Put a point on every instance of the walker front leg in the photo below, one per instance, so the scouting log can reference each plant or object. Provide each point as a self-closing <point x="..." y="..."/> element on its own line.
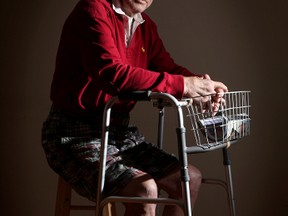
<point x="184" y="170"/>
<point x="229" y="181"/>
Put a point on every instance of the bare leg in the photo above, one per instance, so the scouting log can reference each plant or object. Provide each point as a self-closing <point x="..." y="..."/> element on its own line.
<point x="172" y="185"/>
<point x="142" y="185"/>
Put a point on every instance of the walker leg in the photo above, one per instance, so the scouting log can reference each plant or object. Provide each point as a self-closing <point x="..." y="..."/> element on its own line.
<point x="160" y="127"/>
<point x="184" y="171"/>
<point x="229" y="180"/>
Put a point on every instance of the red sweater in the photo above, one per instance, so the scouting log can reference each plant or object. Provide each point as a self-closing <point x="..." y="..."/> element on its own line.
<point x="93" y="62"/>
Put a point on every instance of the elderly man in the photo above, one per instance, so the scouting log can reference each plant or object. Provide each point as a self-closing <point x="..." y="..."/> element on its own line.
<point x="109" y="47"/>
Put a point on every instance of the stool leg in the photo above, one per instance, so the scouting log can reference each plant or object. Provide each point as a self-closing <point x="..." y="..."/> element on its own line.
<point x="63" y="200"/>
<point x="109" y="210"/>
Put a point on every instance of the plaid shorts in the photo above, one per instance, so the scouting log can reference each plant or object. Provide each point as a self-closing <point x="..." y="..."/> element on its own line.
<point x="72" y="149"/>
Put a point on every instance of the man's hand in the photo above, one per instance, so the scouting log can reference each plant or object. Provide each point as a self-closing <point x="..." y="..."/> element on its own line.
<point x="211" y="92"/>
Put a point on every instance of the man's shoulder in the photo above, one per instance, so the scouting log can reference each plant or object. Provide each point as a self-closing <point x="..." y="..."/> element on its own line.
<point x="93" y="4"/>
<point x="96" y="8"/>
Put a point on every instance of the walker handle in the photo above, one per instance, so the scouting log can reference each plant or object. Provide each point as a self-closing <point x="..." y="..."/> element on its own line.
<point x="135" y="95"/>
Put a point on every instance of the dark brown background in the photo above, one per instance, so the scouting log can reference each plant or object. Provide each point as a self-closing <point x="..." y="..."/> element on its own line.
<point x="242" y="43"/>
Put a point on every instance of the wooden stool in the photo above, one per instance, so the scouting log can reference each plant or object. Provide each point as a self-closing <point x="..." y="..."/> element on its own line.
<point x="64" y="206"/>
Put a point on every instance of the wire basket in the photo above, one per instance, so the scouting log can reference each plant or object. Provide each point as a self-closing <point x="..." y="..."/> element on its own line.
<point x="230" y="123"/>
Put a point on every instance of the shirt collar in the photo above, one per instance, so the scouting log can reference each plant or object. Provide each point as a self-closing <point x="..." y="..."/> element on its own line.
<point x="116" y="7"/>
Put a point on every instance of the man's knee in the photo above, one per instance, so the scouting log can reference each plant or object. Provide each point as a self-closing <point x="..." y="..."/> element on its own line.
<point x="149" y="189"/>
<point x="141" y="186"/>
<point x="195" y="175"/>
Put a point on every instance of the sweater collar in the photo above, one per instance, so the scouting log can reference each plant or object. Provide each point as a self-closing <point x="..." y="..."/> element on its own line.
<point x="116" y="7"/>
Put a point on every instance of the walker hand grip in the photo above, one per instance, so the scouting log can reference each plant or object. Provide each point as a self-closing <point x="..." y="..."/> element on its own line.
<point x="135" y="95"/>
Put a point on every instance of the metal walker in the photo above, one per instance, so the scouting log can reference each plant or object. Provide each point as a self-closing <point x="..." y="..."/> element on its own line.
<point x="211" y="130"/>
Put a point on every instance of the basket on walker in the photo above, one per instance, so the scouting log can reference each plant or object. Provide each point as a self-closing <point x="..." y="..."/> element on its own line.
<point x="229" y="123"/>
